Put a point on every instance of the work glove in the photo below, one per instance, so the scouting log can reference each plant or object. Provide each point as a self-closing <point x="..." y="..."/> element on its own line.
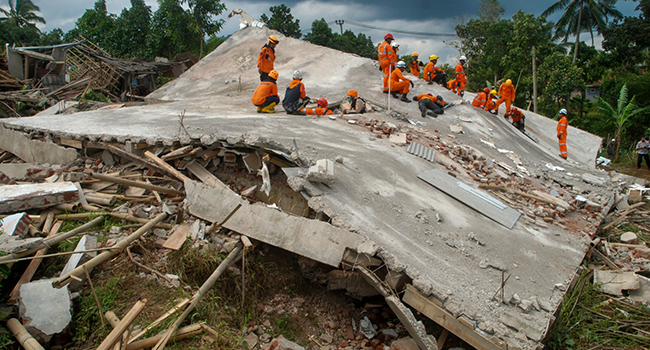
<point x="412" y="85"/>
<point x="381" y="70"/>
<point x="559" y="136"/>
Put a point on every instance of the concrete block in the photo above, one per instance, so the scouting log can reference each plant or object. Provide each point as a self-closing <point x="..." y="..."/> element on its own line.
<point x="23" y="171"/>
<point x="352" y="282"/>
<point x="44" y="310"/>
<point x="629" y="238"/>
<point x="615" y="282"/>
<point x="6" y="180"/>
<point x="396" y="280"/>
<point x="28" y="150"/>
<point x="10" y="244"/>
<point x="322" y="172"/>
<point x="22" y="197"/>
<point x="593" y="179"/>
<point x="85" y="243"/>
<point x="16" y="225"/>
<point x="514" y="321"/>
<point x="399" y="138"/>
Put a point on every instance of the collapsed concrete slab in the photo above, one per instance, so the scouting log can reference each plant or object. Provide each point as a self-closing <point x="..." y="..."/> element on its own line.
<point x="45" y="310"/>
<point x="85" y="243"/>
<point x="22" y="197"/>
<point x="34" y="151"/>
<point x="16" y="225"/>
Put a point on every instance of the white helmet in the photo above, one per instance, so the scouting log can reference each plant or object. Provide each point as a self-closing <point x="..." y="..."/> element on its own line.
<point x="563" y="111"/>
<point x="395" y="45"/>
<point x="463" y="58"/>
<point x="297" y="75"/>
<point x="401" y="64"/>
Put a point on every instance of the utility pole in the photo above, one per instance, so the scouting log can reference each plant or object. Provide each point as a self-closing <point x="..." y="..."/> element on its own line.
<point x="340" y="23"/>
<point x="534" y="82"/>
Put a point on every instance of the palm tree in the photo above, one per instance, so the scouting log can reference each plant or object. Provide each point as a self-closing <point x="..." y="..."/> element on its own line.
<point x="622" y="114"/>
<point x="22" y="13"/>
<point x="582" y="15"/>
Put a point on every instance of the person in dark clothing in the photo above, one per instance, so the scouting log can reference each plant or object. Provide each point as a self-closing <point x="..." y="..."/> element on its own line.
<point x="642" y="148"/>
<point x="430" y="105"/>
<point x="295" y="98"/>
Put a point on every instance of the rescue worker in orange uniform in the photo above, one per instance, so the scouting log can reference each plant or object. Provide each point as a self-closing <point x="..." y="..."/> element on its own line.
<point x="507" y="95"/>
<point x="353" y="104"/>
<point x="451" y="85"/>
<point x="461" y="79"/>
<point x="491" y="106"/>
<point x="295" y="97"/>
<point x="480" y="101"/>
<point x="320" y="110"/>
<point x="434" y="74"/>
<point x="562" y="126"/>
<point x="518" y="118"/>
<point x="430" y="105"/>
<point x="399" y="84"/>
<point x="416" y="64"/>
<point x="266" y="59"/>
<point x="266" y="96"/>
<point x="387" y="59"/>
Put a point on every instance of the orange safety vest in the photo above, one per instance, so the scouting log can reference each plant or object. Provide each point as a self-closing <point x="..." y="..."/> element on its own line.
<point x="431" y="68"/>
<point x="460" y="73"/>
<point x="266" y="59"/>
<point x="264" y="90"/>
<point x="415" y="67"/>
<point x="516" y="115"/>
<point x="429" y="97"/>
<point x="316" y="111"/>
<point x="480" y="100"/>
<point x="562" y="125"/>
<point x="383" y="53"/>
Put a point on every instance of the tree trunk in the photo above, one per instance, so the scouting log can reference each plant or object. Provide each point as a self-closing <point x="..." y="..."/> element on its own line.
<point x="534" y="82"/>
<point x="202" y="40"/>
<point x="618" y="147"/>
<point x="578" y="28"/>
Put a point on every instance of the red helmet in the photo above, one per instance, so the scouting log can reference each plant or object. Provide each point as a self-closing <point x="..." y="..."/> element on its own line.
<point x="486" y="90"/>
<point x="388" y="36"/>
<point x="322" y="103"/>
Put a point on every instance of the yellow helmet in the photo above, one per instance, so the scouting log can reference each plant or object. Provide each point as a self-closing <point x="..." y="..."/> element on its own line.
<point x="415" y="54"/>
<point x="433" y="57"/>
<point x="274" y="74"/>
<point x="493" y="92"/>
<point x="274" y="39"/>
<point x="508" y="82"/>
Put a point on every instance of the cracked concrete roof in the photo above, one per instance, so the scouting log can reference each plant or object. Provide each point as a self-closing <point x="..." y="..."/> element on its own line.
<point x="376" y="192"/>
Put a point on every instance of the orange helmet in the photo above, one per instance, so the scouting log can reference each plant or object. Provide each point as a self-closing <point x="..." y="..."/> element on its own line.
<point x="274" y="39"/>
<point x="388" y="36"/>
<point x="321" y="102"/>
<point x="353" y="93"/>
<point x="274" y="74"/>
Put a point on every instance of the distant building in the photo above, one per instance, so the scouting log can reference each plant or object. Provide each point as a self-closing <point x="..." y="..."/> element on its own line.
<point x="592" y="92"/>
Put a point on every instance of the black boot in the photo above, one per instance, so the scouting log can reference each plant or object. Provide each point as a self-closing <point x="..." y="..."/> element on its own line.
<point x="405" y="99"/>
<point x="394" y="94"/>
<point x="430" y="83"/>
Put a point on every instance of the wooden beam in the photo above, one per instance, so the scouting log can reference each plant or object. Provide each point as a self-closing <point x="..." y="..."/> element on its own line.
<point x="182" y="333"/>
<point x="445" y="319"/>
<point x="205" y="176"/>
<point x="139" y="184"/>
<point x="168" y="168"/>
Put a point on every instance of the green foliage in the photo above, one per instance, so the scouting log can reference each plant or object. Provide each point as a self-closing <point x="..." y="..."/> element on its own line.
<point x="55" y="37"/>
<point x="13" y="34"/>
<point x="96" y="25"/>
<point x="321" y="34"/>
<point x="92" y="95"/>
<point x="213" y="42"/>
<point x="282" y="20"/>
<point x="86" y="317"/>
<point x="173" y="31"/>
<point x="129" y="37"/>
<point x="22" y="13"/>
<point x="558" y="78"/>
<point x="627" y="42"/>
<point x="204" y="13"/>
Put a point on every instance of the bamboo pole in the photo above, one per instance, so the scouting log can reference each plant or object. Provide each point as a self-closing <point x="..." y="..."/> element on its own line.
<point x="201" y="292"/>
<point x="79" y="216"/>
<point x="67" y="206"/>
<point x="22" y="335"/>
<point x="108" y="201"/>
<point x="160" y="319"/>
<point x="139" y="184"/>
<point x="113" y="320"/>
<point x="182" y="333"/>
<point x="132" y="218"/>
<point x="48" y="242"/>
<point x="170" y="169"/>
<point x="116" y="333"/>
<point x="65" y="279"/>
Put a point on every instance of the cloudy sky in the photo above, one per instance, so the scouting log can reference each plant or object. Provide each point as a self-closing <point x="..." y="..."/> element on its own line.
<point x="415" y="16"/>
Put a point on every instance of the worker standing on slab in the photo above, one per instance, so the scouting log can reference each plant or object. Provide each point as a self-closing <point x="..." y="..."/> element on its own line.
<point x="320" y="110"/>
<point x="398" y="83"/>
<point x="480" y="101"/>
<point x="353" y="104"/>
<point x="430" y="105"/>
<point x="507" y="95"/>
<point x="433" y="74"/>
<point x="295" y="97"/>
<point x="491" y="106"/>
<point x="642" y="148"/>
<point x="385" y="53"/>
<point x="562" y="126"/>
<point x="416" y="64"/>
<point x="266" y="59"/>
<point x="518" y="119"/>
<point x="265" y="97"/>
<point x="461" y="79"/>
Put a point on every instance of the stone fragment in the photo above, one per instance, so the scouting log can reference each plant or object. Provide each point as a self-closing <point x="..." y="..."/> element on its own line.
<point x="16" y="225"/>
<point x="322" y="172"/>
<point x="407" y="343"/>
<point x="281" y="343"/>
<point x="629" y="238"/>
<point x="525" y="305"/>
<point x="44" y="310"/>
<point x="86" y="242"/>
<point x="250" y="341"/>
<point x="534" y="302"/>
<point x="16" y="198"/>
<point x="515" y="299"/>
<point x="545" y="305"/>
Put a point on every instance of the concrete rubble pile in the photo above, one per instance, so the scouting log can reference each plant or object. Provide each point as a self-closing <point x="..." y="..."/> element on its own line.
<point x="479" y="228"/>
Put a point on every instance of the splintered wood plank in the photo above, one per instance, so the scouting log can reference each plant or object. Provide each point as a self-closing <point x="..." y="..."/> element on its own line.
<point x="176" y="240"/>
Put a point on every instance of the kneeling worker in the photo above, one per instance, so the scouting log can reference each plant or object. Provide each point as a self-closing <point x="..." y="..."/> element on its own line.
<point x="266" y="96"/>
<point x="399" y="84"/>
<point x="430" y="105"/>
<point x="518" y="118"/>
<point x="320" y="110"/>
<point x="491" y="106"/>
<point x="480" y="101"/>
<point x="353" y="104"/>
<point x="295" y="97"/>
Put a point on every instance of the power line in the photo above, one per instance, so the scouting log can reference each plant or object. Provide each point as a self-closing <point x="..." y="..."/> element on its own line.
<point x="394" y="30"/>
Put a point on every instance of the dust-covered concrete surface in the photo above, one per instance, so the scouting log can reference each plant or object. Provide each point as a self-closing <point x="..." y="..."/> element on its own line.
<point x="451" y="252"/>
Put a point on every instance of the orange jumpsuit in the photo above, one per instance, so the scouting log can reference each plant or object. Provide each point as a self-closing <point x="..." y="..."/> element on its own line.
<point x="490" y="105"/>
<point x="562" y="125"/>
<point x="507" y="94"/>
<point x="264" y="93"/>
<point x="415" y="67"/>
<point x="387" y="59"/>
<point x="430" y="71"/>
<point x="398" y="83"/>
<point x="266" y="59"/>
<point x="315" y="111"/>
<point x="480" y="101"/>
<point x="451" y="85"/>
<point x="460" y="77"/>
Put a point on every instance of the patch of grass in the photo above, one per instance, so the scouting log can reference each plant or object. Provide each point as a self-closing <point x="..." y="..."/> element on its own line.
<point x="588" y="318"/>
<point x="86" y="319"/>
<point x="286" y="326"/>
